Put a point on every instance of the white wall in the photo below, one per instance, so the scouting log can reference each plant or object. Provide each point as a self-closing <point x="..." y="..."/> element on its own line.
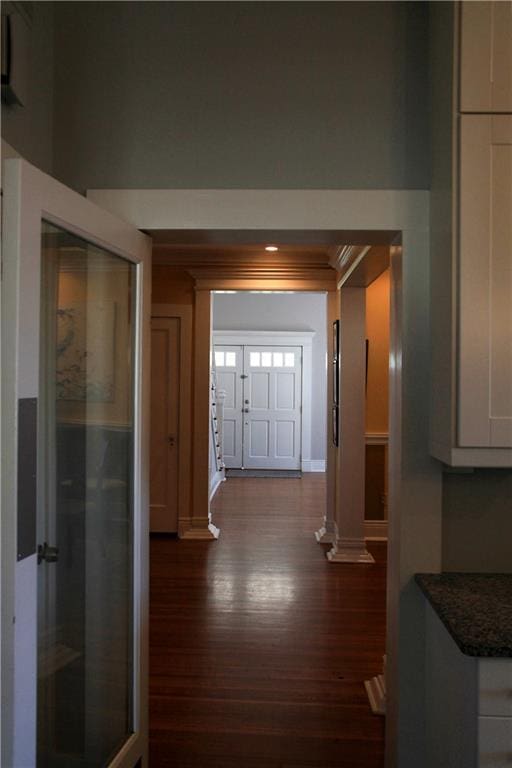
<point x="284" y="312"/>
<point x="242" y="95"/>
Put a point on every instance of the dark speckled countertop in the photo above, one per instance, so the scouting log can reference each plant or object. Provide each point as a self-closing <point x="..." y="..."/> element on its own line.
<point x="476" y="609"/>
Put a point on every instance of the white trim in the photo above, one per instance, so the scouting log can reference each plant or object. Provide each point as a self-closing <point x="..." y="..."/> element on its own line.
<point x="302" y="339"/>
<point x="415" y="479"/>
<point x="377" y="438"/>
<point x="376" y="530"/>
<point x="313" y="465"/>
<point x="260" y="338"/>
<point x="215" y="482"/>
<point x="472" y="457"/>
<point x="255" y="209"/>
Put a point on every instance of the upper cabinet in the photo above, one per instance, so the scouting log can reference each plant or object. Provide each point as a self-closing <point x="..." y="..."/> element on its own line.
<point x="486" y="57"/>
<point x="471" y="234"/>
<point x="485" y="282"/>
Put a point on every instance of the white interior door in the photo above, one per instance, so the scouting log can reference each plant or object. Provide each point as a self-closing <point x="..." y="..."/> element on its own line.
<point x="272" y="407"/>
<point x="75" y="300"/>
<point x="229" y="365"/>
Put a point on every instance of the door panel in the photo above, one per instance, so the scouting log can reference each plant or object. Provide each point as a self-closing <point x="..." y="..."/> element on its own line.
<point x="285" y="439"/>
<point x="75" y="287"/>
<point x="165" y="397"/>
<point x="85" y="665"/>
<point x="272" y="395"/>
<point x="229" y="367"/>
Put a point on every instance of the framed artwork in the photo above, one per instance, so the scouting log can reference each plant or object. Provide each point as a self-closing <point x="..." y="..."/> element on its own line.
<point x="335" y="425"/>
<point x="335" y="361"/>
<point x="86" y="352"/>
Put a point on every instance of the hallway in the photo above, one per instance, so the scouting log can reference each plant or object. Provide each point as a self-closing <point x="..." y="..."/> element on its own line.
<point x="259" y="647"/>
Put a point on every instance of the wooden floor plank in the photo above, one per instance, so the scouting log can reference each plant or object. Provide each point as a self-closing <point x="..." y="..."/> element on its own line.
<point x="259" y="646"/>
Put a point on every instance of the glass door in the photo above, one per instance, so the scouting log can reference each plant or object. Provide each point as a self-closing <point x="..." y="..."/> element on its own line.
<point x="75" y="533"/>
<point x="85" y="551"/>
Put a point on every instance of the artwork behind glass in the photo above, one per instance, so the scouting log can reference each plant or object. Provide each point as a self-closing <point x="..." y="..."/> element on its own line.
<point x="86" y="352"/>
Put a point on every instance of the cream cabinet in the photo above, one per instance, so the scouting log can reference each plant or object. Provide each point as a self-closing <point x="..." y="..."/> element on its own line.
<point x="469" y="704"/>
<point x="471" y="235"/>
<point x="485" y="282"/>
<point x="486" y="56"/>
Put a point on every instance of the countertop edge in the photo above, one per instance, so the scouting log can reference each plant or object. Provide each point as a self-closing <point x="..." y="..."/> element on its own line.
<point x="474" y="651"/>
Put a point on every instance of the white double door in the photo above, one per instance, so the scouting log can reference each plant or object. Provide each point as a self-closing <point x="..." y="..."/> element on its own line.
<point x="262" y="408"/>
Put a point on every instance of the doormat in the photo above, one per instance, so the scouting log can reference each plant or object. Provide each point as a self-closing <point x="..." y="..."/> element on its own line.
<point x="264" y="473"/>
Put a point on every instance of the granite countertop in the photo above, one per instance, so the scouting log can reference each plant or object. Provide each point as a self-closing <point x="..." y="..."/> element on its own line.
<point x="476" y="609"/>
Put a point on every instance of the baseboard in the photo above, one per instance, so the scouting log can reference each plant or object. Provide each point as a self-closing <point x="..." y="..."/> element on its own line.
<point x="215" y="481"/>
<point x="313" y="465"/>
<point x="376" y="530"/>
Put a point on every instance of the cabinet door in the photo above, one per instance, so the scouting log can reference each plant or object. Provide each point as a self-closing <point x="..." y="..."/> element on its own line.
<point x="486" y="57"/>
<point x="485" y="263"/>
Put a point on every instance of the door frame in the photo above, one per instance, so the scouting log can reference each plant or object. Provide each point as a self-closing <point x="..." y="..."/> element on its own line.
<point x="303" y="339"/>
<point x="29" y="197"/>
<point x="363" y="216"/>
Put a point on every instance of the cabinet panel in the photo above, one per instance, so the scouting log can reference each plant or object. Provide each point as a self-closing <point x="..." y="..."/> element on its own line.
<point x="494" y="742"/>
<point x="486" y="57"/>
<point x="485" y="268"/>
<point x="495" y="687"/>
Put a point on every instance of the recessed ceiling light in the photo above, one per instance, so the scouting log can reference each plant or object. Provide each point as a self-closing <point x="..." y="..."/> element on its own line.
<point x="271" y="248"/>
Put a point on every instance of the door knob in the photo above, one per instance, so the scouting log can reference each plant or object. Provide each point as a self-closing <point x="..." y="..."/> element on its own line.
<point x="47" y="553"/>
<point x="245" y="410"/>
<point x="171" y="439"/>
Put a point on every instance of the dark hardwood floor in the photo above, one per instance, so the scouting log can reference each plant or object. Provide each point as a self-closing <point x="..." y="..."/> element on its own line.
<point x="259" y="646"/>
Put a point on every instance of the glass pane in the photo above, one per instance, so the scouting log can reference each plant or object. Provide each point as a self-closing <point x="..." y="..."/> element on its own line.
<point x="255" y="359"/>
<point x="85" y="669"/>
<point x="230" y="359"/>
<point x="266" y="359"/>
<point x="289" y="359"/>
<point x="219" y="359"/>
<point x="278" y="359"/>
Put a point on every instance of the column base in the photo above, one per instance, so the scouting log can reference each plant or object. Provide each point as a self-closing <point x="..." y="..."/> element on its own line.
<point x="349" y="551"/>
<point x="323" y="536"/>
<point x="208" y="533"/>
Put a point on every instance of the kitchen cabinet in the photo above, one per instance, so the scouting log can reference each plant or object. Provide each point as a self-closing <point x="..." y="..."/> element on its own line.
<point x="471" y="239"/>
<point x="469" y="701"/>
<point x="485" y="281"/>
<point x="468" y="669"/>
<point x="486" y="57"/>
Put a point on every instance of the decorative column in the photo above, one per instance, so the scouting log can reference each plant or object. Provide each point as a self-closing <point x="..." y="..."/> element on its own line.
<point x="350" y="545"/>
<point x="199" y="525"/>
<point x="327" y="533"/>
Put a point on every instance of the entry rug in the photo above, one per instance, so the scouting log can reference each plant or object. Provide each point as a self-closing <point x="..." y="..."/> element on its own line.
<point x="264" y="473"/>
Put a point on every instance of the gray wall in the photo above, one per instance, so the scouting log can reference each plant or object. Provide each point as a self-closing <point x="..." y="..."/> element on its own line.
<point x="477" y="521"/>
<point x="234" y="95"/>
<point x="29" y="129"/>
<point x="285" y="312"/>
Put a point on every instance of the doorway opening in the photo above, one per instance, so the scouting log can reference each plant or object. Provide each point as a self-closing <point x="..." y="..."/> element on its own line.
<point x="261" y="370"/>
<point x="269" y="370"/>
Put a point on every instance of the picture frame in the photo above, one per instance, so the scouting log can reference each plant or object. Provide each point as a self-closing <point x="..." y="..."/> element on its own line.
<point x="335" y="361"/>
<point x="335" y="425"/>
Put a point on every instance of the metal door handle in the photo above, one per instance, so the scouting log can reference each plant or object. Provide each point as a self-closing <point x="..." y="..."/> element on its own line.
<point x="47" y="553"/>
<point x="171" y="439"/>
<point x="245" y="410"/>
